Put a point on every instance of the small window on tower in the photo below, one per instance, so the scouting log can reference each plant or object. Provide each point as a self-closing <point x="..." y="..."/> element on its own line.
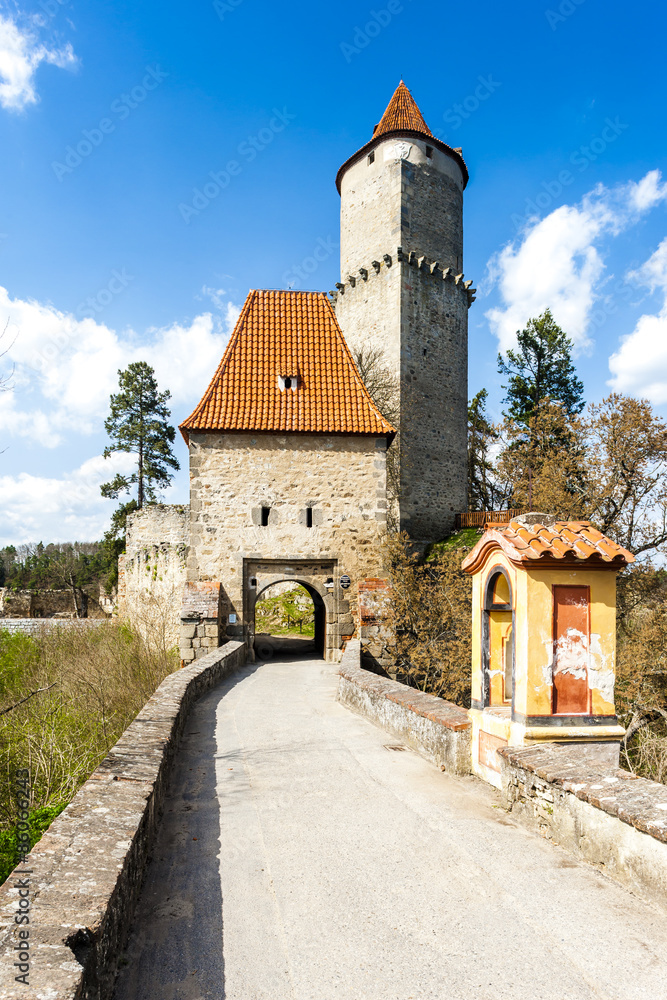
<point x="265" y="516"/>
<point x="371" y="157"/>
<point x="429" y="152"/>
<point x="309" y="517"/>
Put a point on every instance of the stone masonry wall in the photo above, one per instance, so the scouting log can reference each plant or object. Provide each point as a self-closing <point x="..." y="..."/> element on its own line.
<point x="438" y="729"/>
<point x="429" y="348"/>
<point x="154" y="570"/>
<point x="402" y="198"/>
<point x="233" y="476"/>
<point x="600" y="813"/>
<point x="202" y="620"/>
<point x="45" y="603"/>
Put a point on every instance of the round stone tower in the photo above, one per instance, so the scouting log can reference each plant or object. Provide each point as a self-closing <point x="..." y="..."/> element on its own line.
<point x="402" y="296"/>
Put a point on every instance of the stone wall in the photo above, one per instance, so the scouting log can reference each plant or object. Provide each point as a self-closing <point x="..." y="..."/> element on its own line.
<point x="402" y="198"/>
<point x="202" y="620"/>
<point x="374" y="631"/>
<point x="438" y="729"/>
<point x="86" y="872"/>
<point x="47" y="604"/>
<point x="153" y="571"/>
<point x="600" y="813"/>
<point x="341" y="477"/>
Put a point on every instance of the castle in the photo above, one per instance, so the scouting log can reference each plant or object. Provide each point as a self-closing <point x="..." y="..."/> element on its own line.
<point x="288" y="451"/>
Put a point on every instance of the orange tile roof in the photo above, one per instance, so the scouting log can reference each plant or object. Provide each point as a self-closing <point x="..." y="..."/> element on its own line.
<point x="287" y="334"/>
<point x="402" y="115"/>
<point x="567" y="542"/>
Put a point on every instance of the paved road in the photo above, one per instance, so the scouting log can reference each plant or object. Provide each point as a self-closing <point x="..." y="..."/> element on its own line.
<point x="300" y="858"/>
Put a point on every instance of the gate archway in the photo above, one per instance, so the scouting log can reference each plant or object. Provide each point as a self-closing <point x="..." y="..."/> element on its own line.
<point x="320" y="580"/>
<point x="319" y="617"/>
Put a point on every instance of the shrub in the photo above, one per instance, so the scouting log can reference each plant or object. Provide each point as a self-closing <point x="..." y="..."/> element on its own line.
<point x="67" y="696"/>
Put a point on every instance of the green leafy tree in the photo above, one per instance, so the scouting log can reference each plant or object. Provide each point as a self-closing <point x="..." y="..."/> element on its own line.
<point x="138" y="423"/>
<point x="541" y="368"/>
<point x="481" y="436"/>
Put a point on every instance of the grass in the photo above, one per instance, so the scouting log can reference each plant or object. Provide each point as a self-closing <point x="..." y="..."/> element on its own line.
<point x="96" y="681"/>
<point x="464" y="539"/>
<point x="290" y="613"/>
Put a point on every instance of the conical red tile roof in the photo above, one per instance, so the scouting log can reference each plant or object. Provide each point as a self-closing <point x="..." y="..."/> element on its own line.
<point x="402" y="114"/>
<point x="287" y="334"/>
<point x="402" y="117"/>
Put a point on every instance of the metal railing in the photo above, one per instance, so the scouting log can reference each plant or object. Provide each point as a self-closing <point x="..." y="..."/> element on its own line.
<point x="478" y="518"/>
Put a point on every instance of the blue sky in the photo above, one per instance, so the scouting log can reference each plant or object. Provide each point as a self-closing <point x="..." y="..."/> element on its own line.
<point x="113" y="115"/>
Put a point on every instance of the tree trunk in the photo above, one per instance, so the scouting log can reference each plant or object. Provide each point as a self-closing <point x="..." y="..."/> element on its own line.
<point x="76" y="603"/>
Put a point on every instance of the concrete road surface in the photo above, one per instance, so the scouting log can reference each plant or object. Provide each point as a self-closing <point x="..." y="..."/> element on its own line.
<point x="300" y="857"/>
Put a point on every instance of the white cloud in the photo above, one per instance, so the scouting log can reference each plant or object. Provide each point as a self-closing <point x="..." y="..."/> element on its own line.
<point x="36" y="508"/>
<point x="639" y="367"/>
<point x="66" y="368"/>
<point x="557" y="263"/>
<point x="21" y="53"/>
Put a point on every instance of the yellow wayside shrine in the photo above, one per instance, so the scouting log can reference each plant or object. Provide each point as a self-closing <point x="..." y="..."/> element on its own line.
<point x="543" y="638"/>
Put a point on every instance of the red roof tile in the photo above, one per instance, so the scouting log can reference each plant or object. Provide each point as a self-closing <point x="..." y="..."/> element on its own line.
<point x="402" y="114"/>
<point x="283" y="334"/>
<point x="567" y="542"/>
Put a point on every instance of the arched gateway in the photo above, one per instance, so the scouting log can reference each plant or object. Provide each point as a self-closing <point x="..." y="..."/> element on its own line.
<point x="318" y="581"/>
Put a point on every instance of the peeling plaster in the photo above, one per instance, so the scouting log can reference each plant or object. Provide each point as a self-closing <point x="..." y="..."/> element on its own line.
<point x="571" y="654"/>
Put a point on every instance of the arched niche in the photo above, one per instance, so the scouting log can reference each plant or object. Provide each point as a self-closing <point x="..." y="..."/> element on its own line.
<point x="498" y="631"/>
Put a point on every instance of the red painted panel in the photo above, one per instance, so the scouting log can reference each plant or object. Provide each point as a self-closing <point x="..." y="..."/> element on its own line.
<point x="571" y="642"/>
<point x="488" y="745"/>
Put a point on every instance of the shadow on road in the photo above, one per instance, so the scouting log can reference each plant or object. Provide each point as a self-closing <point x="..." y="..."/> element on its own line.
<point x="175" y="944"/>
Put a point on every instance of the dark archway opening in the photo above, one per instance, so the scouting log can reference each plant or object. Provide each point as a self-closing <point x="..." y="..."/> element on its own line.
<point x="290" y="620"/>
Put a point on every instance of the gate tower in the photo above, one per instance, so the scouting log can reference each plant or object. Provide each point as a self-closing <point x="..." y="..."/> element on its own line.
<point x="402" y="293"/>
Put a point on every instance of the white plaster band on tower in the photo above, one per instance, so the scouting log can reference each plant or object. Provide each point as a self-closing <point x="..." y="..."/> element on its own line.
<point x="408" y="257"/>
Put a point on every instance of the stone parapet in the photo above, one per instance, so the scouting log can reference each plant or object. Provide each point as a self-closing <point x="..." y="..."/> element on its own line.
<point x="437" y="729"/>
<point x="601" y="813"/>
<point x="86" y="871"/>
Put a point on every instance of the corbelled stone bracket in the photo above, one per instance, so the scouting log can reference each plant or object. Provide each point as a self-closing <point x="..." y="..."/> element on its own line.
<point x="433" y="268"/>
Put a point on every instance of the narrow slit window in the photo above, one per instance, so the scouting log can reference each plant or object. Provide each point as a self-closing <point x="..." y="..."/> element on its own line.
<point x="371" y="157"/>
<point x="429" y="151"/>
<point x="265" y="516"/>
<point x="309" y="517"/>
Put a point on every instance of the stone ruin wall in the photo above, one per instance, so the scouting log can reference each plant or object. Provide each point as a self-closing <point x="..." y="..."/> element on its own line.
<point x="153" y="571"/>
<point x="48" y="604"/>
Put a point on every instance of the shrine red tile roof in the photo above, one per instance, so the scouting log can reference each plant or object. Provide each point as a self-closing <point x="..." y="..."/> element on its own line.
<point x="402" y="114"/>
<point x="287" y="334"/>
<point x="568" y="542"/>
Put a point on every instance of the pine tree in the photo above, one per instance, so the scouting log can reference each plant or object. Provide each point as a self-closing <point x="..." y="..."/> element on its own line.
<point x="481" y="435"/>
<point x="138" y="423"/>
<point x="540" y="369"/>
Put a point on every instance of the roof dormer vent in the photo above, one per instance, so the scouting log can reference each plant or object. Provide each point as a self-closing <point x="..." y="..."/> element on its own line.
<point x="288" y="382"/>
